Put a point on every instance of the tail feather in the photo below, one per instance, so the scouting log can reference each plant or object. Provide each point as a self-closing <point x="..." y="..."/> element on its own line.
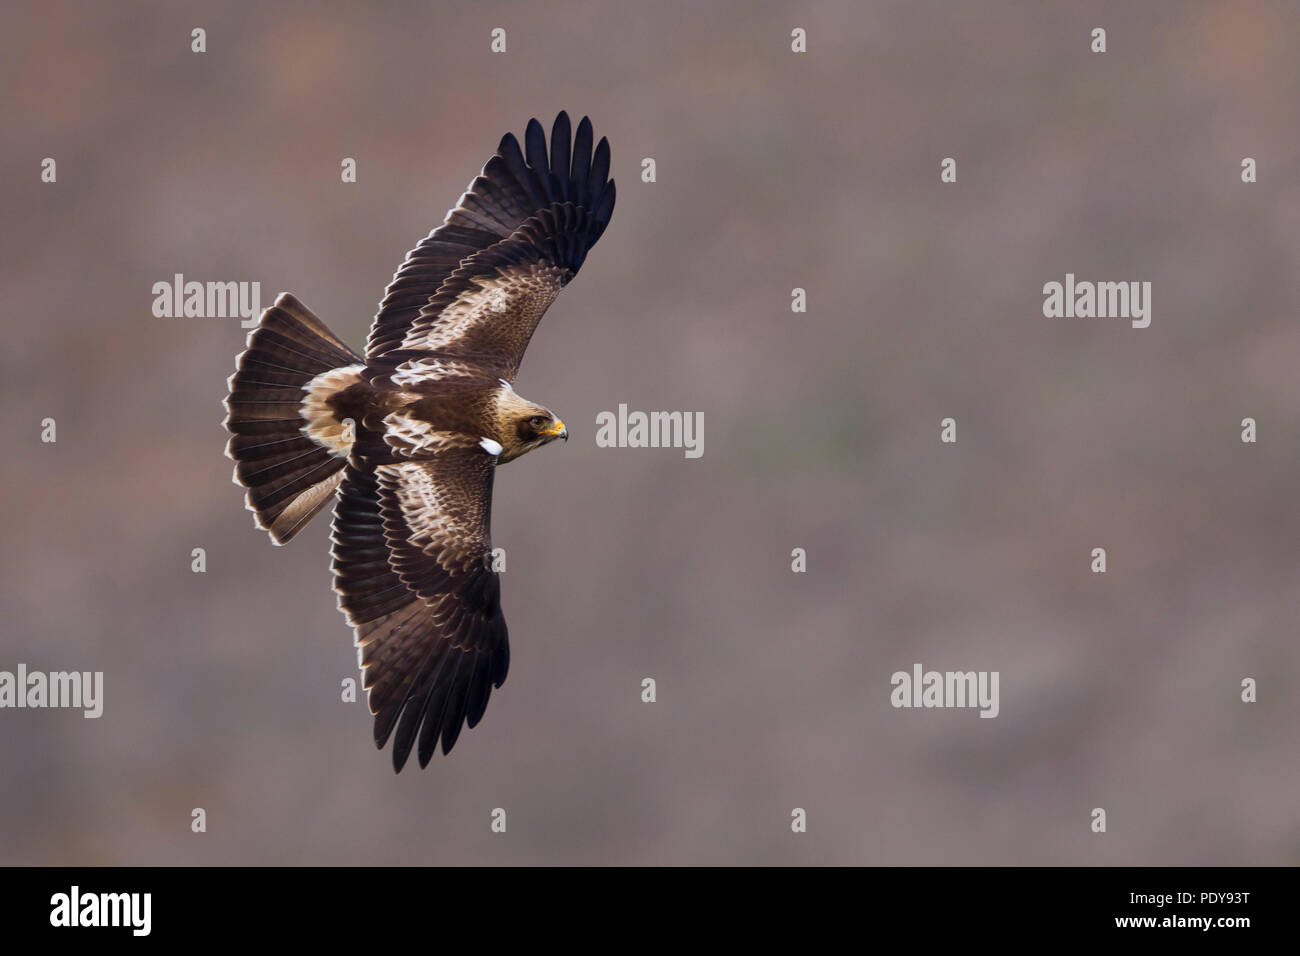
<point x="290" y="477"/>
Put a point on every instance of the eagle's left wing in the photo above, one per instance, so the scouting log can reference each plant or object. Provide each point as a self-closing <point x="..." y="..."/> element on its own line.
<point x="411" y="565"/>
<point x="484" y="312"/>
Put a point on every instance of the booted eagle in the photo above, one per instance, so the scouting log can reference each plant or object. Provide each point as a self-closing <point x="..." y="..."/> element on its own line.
<point x="405" y="441"/>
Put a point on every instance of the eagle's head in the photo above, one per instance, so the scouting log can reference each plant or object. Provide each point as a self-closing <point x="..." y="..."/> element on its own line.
<point x="531" y="429"/>
<point x="524" y="425"/>
<point x="540" y="428"/>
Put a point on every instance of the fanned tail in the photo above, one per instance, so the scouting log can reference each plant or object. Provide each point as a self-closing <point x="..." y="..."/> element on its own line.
<point x="290" y="474"/>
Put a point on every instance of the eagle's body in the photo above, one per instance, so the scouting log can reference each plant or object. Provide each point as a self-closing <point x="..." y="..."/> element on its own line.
<point x="416" y="417"/>
<point x="405" y="440"/>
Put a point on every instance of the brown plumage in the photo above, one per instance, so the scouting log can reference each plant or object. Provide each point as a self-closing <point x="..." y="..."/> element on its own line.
<point x="406" y="440"/>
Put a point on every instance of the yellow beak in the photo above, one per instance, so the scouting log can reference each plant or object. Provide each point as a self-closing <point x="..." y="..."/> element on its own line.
<point x="557" y="431"/>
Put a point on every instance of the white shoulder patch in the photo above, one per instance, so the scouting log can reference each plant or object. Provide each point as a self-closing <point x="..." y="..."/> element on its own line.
<point x="489" y="446"/>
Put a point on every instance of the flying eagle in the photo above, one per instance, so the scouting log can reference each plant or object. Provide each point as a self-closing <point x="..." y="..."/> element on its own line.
<point x="406" y="440"/>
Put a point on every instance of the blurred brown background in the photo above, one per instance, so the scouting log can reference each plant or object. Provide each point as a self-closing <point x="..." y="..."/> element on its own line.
<point x="775" y="170"/>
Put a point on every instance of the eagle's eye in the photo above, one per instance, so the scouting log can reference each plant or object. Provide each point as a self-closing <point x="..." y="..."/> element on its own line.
<point x="537" y="421"/>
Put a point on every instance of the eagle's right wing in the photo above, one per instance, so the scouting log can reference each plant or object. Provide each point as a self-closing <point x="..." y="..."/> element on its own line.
<point x="476" y="288"/>
<point x="411" y="568"/>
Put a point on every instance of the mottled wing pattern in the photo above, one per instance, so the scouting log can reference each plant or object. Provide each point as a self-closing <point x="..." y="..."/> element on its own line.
<point x="411" y="538"/>
<point x="410" y="563"/>
<point x="522" y="231"/>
